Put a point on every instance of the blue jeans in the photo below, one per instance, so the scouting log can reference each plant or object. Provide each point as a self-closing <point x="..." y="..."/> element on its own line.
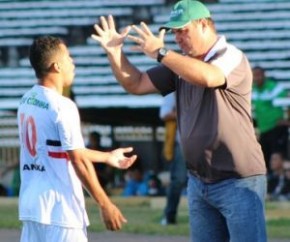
<point x="230" y="210"/>
<point x="178" y="179"/>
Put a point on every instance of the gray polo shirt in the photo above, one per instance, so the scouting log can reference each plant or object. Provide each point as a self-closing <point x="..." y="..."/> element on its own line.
<point x="215" y="124"/>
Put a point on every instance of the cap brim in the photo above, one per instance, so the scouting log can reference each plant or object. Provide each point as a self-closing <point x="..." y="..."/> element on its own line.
<point x="173" y="25"/>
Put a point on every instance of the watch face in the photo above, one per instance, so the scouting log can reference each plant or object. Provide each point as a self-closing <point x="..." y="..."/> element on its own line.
<point x="162" y="51"/>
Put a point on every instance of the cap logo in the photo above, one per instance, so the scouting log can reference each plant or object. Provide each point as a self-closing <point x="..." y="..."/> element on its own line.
<point x="176" y="12"/>
<point x="184" y="11"/>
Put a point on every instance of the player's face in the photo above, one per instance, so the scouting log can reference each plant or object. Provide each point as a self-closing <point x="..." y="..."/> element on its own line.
<point x="67" y="66"/>
<point x="190" y="38"/>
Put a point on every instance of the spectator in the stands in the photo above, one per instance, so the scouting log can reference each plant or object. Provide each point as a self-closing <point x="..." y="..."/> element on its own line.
<point x="10" y="179"/>
<point x="278" y="183"/>
<point x="140" y="182"/>
<point x="135" y="181"/>
<point x="287" y="175"/>
<point x="271" y="124"/>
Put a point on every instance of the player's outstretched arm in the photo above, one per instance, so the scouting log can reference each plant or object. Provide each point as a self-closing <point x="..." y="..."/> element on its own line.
<point x="118" y="159"/>
<point x="115" y="158"/>
<point x="111" y="215"/>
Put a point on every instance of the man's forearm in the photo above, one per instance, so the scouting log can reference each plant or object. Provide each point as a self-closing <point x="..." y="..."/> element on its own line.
<point x="86" y="173"/>
<point x="96" y="155"/>
<point x="193" y="70"/>
<point x="126" y="73"/>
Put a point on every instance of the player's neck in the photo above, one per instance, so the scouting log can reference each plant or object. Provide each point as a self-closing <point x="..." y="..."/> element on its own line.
<point x="52" y="83"/>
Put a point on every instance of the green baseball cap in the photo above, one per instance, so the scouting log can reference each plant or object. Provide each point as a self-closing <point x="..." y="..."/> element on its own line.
<point x="185" y="11"/>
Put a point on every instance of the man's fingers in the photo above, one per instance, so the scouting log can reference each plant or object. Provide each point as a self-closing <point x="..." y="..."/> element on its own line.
<point x="104" y="23"/>
<point x="98" y="29"/>
<point x="136" y="39"/>
<point x="146" y="28"/>
<point x="111" y="22"/>
<point x="95" y="37"/>
<point x="127" y="161"/>
<point x="127" y="149"/>
<point x="113" y="218"/>
<point x="162" y="34"/>
<point x="119" y="221"/>
<point x="133" y="158"/>
<point x="116" y="223"/>
<point x="126" y="31"/>
<point x="139" y="31"/>
<point x="123" y="219"/>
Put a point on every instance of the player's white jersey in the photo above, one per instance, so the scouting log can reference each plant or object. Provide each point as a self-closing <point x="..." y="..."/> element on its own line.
<point x="51" y="192"/>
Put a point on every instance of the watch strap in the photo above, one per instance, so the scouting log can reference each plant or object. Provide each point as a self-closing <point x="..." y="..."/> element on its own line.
<point x="162" y="52"/>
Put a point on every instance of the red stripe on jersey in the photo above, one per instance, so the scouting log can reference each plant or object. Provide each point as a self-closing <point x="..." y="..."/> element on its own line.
<point x="58" y="155"/>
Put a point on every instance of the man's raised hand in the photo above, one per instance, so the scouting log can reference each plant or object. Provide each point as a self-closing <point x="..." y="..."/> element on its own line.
<point x="146" y="41"/>
<point x="107" y="35"/>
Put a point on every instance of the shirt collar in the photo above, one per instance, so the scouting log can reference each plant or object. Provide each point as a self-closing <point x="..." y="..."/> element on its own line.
<point x="218" y="47"/>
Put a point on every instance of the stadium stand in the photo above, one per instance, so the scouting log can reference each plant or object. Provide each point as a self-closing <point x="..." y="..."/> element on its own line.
<point x="260" y="28"/>
<point x="21" y="21"/>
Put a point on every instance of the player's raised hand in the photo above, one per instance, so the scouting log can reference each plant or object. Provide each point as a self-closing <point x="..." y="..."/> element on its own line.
<point x="107" y="35"/>
<point x="112" y="217"/>
<point x="118" y="159"/>
<point x="146" y="41"/>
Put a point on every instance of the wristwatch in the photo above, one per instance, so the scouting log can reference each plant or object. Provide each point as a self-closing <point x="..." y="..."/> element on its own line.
<point x="162" y="52"/>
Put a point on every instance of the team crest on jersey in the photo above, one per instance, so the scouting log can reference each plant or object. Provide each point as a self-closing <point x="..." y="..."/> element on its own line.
<point x="32" y="100"/>
<point x="33" y="167"/>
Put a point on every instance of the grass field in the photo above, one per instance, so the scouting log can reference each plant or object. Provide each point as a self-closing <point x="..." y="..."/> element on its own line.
<point x="144" y="214"/>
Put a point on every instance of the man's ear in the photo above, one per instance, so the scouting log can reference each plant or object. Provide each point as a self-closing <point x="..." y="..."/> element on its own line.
<point x="204" y="24"/>
<point x="56" y="67"/>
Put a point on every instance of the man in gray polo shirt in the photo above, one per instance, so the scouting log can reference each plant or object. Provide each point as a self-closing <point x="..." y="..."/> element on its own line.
<point x="212" y="80"/>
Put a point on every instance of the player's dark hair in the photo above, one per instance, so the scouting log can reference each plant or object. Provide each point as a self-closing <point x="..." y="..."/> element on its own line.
<point x="41" y="52"/>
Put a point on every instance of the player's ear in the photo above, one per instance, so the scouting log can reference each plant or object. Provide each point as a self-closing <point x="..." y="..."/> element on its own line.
<point x="55" y="66"/>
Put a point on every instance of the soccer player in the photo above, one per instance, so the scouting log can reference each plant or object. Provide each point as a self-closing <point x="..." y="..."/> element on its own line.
<point x="54" y="162"/>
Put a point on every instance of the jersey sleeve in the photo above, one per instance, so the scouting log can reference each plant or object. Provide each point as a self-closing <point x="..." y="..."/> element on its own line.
<point x="69" y="126"/>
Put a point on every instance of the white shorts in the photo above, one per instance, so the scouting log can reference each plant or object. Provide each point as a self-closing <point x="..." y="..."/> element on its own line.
<point x="37" y="232"/>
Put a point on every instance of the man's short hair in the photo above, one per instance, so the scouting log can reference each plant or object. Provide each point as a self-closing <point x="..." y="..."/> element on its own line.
<point x="41" y="52"/>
